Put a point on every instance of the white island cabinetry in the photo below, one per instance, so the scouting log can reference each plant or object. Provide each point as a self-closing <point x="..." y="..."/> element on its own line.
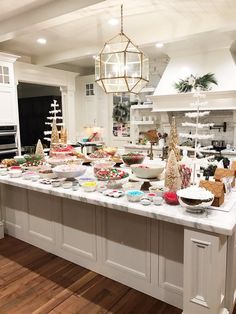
<point x="179" y="258"/>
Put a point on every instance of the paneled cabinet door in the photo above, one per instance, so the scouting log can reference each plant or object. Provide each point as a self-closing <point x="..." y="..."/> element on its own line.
<point x="126" y="245"/>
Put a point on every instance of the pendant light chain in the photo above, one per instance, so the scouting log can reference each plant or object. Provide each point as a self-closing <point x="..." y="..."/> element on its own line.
<point x="121" y="19"/>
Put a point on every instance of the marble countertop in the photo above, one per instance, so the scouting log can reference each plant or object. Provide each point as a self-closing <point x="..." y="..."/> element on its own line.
<point x="139" y="146"/>
<point x="214" y="220"/>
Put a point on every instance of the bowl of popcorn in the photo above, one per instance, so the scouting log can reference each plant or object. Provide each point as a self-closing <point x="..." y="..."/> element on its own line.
<point x="195" y="199"/>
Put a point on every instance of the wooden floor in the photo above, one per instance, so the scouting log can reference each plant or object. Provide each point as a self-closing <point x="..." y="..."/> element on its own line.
<point x="34" y="281"/>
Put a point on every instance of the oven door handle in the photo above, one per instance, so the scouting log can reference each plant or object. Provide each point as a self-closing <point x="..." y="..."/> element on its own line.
<point x="2" y="152"/>
<point x="7" y="133"/>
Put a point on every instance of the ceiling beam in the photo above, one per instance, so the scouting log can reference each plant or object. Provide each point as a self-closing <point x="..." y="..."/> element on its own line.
<point x="65" y="56"/>
<point x="48" y="15"/>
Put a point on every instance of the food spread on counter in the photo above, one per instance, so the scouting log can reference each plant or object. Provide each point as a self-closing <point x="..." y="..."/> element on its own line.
<point x="164" y="182"/>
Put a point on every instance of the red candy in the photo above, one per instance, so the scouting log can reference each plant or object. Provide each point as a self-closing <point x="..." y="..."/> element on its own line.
<point x="171" y="198"/>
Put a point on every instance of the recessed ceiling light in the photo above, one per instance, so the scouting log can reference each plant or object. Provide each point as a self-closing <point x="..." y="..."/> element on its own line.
<point x="41" y="41"/>
<point x="159" y="45"/>
<point x="113" y="21"/>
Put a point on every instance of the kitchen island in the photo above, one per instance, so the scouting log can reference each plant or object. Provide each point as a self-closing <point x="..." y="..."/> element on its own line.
<point x="183" y="259"/>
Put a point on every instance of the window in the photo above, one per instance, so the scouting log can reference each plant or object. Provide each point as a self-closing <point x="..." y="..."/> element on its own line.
<point x="4" y="75"/>
<point x="89" y="89"/>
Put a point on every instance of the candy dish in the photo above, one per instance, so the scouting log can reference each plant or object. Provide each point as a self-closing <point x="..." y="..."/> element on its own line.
<point x="3" y="171"/>
<point x="134" y="195"/>
<point x="56" y="183"/>
<point x="15" y="173"/>
<point x="110" y="150"/>
<point x="28" y="175"/>
<point x="45" y="181"/>
<point x="171" y="198"/>
<point x="67" y="184"/>
<point x="132" y="158"/>
<point x="146" y="171"/>
<point x="98" y="165"/>
<point x="89" y="186"/>
<point x="75" y="186"/>
<point x="145" y="202"/>
<point x="35" y="177"/>
<point x="157" y="200"/>
<point x="69" y="171"/>
<point x="47" y="173"/>
<point x="113" y="193"/>
<point x="157" y="191"/>
<point x="150" y="196"/>
<point x="82" y="180"/>
<point x="132" y="186"/>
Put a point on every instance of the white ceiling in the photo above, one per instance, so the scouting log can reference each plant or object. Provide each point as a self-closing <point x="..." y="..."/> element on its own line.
<point x="76" y="30"/>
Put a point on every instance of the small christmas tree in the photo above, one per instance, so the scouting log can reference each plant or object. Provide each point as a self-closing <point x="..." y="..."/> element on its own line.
<point x="54" y="134"/>
<point x="174" y="140"/>
<point x="64" y="136"/>
<point x="172" y="175"/>
<point x="54" y="118"/>
<point x="39" y="149"/>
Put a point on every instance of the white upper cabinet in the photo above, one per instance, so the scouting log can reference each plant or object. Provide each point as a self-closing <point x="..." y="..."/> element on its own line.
<point x="8" y="98"/>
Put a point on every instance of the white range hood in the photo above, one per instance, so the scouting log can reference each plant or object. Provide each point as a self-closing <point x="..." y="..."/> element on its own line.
<point x="220" y="62"/>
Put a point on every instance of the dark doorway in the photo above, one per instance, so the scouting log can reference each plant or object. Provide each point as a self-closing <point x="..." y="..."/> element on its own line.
<point x="34" y="103"/>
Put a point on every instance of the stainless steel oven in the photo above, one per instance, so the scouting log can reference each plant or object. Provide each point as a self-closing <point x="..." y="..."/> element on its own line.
<point x="8" y="141"/>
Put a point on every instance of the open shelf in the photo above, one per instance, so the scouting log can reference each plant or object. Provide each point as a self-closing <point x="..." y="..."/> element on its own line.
<point x="143" y="122"/>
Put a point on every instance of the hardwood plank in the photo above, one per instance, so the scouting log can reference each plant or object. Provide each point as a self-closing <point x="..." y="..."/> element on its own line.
<point x="33" y="281"/>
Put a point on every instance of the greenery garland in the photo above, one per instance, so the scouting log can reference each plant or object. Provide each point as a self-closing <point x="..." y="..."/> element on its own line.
<point x="193" y="82"/>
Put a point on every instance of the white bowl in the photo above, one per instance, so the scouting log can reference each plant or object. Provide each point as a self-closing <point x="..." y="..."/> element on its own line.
<point x="134" y="195"/>
<point x="15" y="173"/>
<point x="89" y="188"/>
<point x="65" y="171"/>
<point x="146" y="171"/>
<point x="195" y="199"/>
<point x="132" y="185"/>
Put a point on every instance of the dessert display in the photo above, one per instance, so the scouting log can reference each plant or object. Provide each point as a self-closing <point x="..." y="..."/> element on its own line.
<point x="145" y="171"/>
<point x="133" y="158"/>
